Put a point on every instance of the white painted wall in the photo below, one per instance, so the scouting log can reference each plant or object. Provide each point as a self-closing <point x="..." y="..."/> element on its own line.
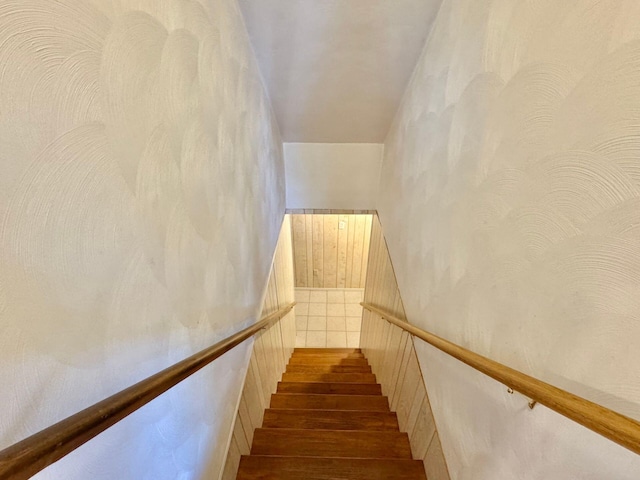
<point x="511" y="205"/>
<point x="332" y="175"/>
<point x="141" y="196"/>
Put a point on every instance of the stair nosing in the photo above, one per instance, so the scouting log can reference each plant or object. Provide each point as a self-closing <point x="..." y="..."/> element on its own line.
<point x="306" y="431"/>
<point x="327" y="410"/>
<point x="337" y="458"/>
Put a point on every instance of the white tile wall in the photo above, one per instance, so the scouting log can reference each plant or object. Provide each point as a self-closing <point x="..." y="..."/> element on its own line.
<point x="336" y="324"/>
<point x="318" y="309"/>
<point x="316" y="339"/>
<point x="317" y="323"/>
<point x="328" y="317"/>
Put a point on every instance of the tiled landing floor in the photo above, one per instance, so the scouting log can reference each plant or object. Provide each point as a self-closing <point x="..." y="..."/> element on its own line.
<point x="328" y="317"/>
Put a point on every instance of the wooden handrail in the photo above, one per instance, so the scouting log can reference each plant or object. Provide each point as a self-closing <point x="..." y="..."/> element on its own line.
<point x="616" y="427"/>
<point x="31" y="455"/>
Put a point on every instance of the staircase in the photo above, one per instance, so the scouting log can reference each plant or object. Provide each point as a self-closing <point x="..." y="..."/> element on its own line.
<point x="329" y="421"/>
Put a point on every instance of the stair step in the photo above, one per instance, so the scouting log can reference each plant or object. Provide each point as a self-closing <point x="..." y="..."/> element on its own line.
<point x="330" y="388"/>
<point x="303" y="401"/>
<point x="327" y="350"/>
<point x="322" y="360"/>
<point x="328" y="369"/>
<point x="335" y="356"/>
<point x="330" y="419"/>
<point x="329" y="377"/>
<point x="295" y="468"/>
<point x="330" y="443"/>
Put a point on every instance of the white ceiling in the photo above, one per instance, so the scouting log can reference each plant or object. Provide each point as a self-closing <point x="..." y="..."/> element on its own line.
<point x="336" y="69"/>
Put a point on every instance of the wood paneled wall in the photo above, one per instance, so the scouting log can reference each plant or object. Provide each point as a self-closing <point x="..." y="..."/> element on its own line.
<point x="328" y="256"/>
<point x="393" y="359"/>
<point x="271" y="351"/>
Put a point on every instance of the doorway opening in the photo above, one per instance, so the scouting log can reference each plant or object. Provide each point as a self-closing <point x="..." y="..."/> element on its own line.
<point x="330" y="252"/>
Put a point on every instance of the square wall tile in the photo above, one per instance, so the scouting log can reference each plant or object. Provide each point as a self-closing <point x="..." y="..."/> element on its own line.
<point x="301" y="339"/>
<point x="317" y="339"/>
<point x="354" y="324"/>
<point x="301" y="323"/>
<point x="302" y="296"/>
<point x="336" y="324"/>
<point x="317" y="323"/>
<point x="318" y="296"/>
<point x="335" y="310"/>
<point x="336" y="340"/>
<point x="335" y="296"/>
<point x="317" y="309"/>
<point x="302" y="308"/>
<point x="353" y="310"/>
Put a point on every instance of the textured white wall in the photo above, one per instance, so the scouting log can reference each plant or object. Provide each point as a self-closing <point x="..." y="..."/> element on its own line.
<point x="332" y="175"/>
<point x="141" y="196"/>
<point x="511" y="204"/>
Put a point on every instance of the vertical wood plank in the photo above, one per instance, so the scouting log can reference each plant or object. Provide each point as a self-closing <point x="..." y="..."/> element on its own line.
<point x="257" y="380"/>
<point x="434" y="461"/>
<point x="300" y="249"/>
<point x="371" y="284"/>
<point x="406" y="354"/>
<point x="358" y="245"/>
<point x="260" y="355"/>
<point x="399" y="361"/>
<point x="318" y="251"/>
<point x="350" y="244"/>
<point x="365" y="249"/>
<point x="244" y="426"/>
<point x="420" y="402"/>
<point x="423" y="432"/>
<point x="233" y="462"/>
<point x="308" y="224"/>
<point x="330" y="249"/>
<point x="392" y="350"/>
<point x="342" y="250"/>
<point x="252" y="398"/>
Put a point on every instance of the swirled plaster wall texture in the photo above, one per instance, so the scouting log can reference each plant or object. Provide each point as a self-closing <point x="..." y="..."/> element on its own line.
<point x="511" y="204"/>
<point x="141" y="197"/>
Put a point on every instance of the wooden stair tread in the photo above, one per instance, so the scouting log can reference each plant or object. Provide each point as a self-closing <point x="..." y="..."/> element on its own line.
<point x="327" y="350"/>
<point x="256" y="467"/>
<point x="306" y="401"/>
<point x="328" y="369"/>
<point x="330" y="419"/>
<point x="330" y="443"/>
<point x="329" y="377"/>
<point x="335" y="356"/>
<point x="322" y="360"/>
<point x="344" y="388"/>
